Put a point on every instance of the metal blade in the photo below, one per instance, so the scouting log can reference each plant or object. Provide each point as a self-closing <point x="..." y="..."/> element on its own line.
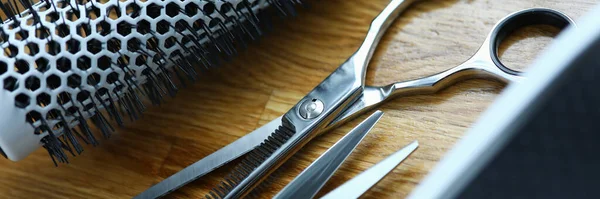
<point x="312" y="179"/>
<point x="358" y="185"/>
<point x="213" y="161"/>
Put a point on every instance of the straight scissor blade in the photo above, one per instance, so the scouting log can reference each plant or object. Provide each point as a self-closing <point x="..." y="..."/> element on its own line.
<point x="358" y="185"/>
<point x="211" y="162"/>
<point x="371" y="98"/>
<point x="312" y="179"/>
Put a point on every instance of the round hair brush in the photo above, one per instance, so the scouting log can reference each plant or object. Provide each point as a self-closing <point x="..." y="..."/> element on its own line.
<point x="70" y="65"/>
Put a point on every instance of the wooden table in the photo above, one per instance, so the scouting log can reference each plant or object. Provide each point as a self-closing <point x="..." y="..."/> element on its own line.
<point x="271" y="75"/>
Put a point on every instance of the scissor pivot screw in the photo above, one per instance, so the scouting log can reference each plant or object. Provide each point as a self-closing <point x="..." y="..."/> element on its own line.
<point x="310" y="109"/>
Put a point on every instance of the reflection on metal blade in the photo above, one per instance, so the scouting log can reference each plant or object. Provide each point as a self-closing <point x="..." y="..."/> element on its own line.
<point x="209" y="163"/>
<point x="314" y="177"/>
<point x="358" y="185"/>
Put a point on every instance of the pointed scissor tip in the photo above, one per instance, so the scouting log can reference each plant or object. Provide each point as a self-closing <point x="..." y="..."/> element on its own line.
<point x="372" y="120"/>
<point x="364" y="127"/>
<point x="414" y="144"/>
<point x="378" y="112"/>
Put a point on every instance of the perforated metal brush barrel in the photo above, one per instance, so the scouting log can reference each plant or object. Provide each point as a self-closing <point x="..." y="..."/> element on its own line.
<point x="65" y="61"/>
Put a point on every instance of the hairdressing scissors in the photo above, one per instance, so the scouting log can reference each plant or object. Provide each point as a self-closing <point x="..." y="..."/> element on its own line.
<point x="308" y="183"/>
<point x="343" y="96"/>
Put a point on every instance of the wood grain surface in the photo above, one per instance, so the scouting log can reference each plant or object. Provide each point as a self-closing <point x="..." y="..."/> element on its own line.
<point x="266" y="79"/>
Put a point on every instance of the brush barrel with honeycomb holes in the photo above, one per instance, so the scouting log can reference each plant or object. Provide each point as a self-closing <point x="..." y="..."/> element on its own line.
<point x="63" y="62"/>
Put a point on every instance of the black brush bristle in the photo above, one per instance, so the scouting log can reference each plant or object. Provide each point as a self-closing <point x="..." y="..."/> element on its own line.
<point x="141" y="68"/>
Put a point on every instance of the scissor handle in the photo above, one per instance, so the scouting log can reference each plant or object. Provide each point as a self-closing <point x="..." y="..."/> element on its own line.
<point x="377" y="29"/>
<point x="520" y="19"/>
<point x="484" y="63"/>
